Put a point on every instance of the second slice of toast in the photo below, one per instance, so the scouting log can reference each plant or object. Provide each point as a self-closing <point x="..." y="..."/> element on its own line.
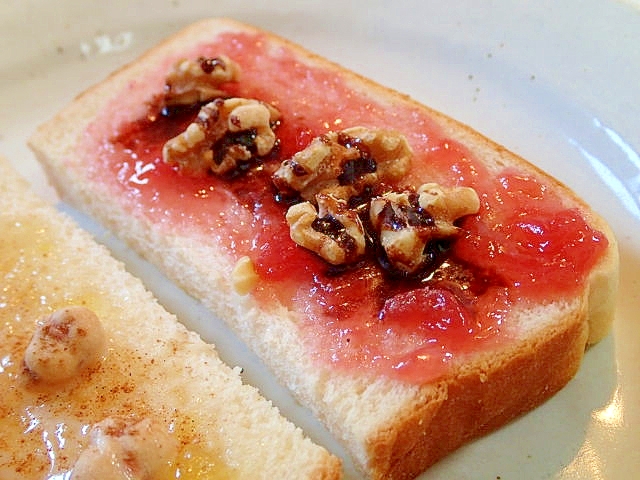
<point x="156" y="401"/>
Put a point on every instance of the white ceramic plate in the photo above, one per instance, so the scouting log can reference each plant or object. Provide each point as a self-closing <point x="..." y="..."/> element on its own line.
<point x="557" y="82"/>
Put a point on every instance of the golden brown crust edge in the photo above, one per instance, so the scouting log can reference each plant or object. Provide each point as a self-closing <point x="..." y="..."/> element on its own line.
<point x="480" y="404"/>
<point x="408" y="444"/>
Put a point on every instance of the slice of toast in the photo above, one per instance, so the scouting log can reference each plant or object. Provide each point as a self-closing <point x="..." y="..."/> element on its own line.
<point x="394" y="424"/>
<point x="156" y="399"/>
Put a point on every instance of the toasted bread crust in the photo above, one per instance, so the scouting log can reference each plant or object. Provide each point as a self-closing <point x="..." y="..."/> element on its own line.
<point x="474" y="409"/>
<point x="410" y="427"/>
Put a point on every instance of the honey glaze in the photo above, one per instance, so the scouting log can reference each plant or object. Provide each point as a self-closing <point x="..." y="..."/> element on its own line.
<point x="43" y="427"/>
<point x="523" y="245"/>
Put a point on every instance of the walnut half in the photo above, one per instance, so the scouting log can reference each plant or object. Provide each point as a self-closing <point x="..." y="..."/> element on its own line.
<point x="225" y="133"/>
<point x="334" y="231"/>
<point x="407" y="222"/>
<point x="345" y="163"/>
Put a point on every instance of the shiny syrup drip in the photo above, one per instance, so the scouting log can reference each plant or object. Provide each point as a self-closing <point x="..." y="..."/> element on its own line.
<point x="521" y="247"/>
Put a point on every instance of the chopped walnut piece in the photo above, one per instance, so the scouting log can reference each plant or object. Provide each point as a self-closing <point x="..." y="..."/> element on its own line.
<point x="122" y="448"/>
<point x="243" y="276"/>
<point x="198" y="81"/>
<point x="345" y="163"/>
<point x="407" y="222"/>
<point x="64" y="344"/>
<point x="334" y="231"/>
<point x="226" y="133"/>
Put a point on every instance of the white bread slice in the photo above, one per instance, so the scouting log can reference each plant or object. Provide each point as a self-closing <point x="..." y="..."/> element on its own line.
<point x="392" y="429"/>
<point x="152" y="368"/>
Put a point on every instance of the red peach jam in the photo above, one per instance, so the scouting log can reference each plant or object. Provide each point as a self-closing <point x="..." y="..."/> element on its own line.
<point x="523" y="244"/>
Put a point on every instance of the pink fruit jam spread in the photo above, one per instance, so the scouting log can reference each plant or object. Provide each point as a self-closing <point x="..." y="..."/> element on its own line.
<point x="523" y="245"/>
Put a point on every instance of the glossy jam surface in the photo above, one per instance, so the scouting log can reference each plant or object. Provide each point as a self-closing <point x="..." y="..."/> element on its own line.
<point x="523" y="245"/>
<point x="44" y="428"/>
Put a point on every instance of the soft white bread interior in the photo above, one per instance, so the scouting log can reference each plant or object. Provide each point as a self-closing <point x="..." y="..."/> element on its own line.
<point x="391" y="428"/>
<point x="197" y="417"/>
